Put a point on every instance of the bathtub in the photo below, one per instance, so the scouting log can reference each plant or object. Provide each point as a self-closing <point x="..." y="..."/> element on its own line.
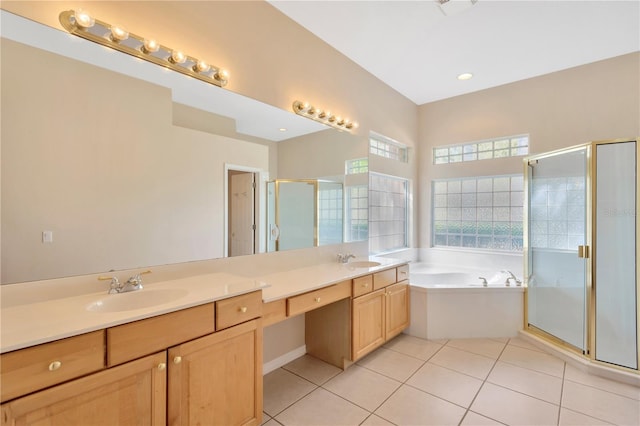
<point x="448" y="303"/>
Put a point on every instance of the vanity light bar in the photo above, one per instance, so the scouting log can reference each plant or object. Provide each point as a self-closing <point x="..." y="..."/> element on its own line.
<point x="82" y="24"/>
<point x="325" y="117"/>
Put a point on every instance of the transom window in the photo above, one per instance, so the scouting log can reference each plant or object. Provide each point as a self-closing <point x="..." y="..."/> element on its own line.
<point x="388" y="148"/>
<point x="511" y="146"/>
<point x="478" y="212"/>
<point x="357" y="165"/>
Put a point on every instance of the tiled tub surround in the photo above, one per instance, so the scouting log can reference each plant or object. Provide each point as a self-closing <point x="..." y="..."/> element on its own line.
<point x="412" y="381"/>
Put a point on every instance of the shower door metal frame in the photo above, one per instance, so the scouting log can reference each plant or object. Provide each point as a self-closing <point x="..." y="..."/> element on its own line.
<point x="526" y="252"/>
<point x="590" y="241"/>
<point x="592" y="304"/>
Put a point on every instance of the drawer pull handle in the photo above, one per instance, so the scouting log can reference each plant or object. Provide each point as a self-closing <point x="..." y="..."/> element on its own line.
<point x="162" y="366"/>
<point x="365" y="285"/>
<point x="55" y="365"/>
<point x="403" y="272"/>
<point x="243" y="309"/>
<point x="317" y="299"/>
<point x="177" y="360"/>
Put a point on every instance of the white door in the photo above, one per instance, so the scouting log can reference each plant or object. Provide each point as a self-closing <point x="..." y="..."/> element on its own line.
<point x="241" y="213"/>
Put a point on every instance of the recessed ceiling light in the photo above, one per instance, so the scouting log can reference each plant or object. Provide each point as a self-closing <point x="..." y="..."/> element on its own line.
<point x="465" y="76"/>
<point x="282" y="129"/>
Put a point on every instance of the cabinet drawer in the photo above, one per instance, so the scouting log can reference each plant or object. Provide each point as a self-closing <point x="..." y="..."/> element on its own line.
<point x="384" y="278"/>
<point x="136" y="339"/>
<point x="362" y="285"/>
<point x="402" y="273"/>
<point x="274" y="312"/>
<point x="27" y="370"/>
<point x="238" y="309"/>
<point x="315" y="299"/>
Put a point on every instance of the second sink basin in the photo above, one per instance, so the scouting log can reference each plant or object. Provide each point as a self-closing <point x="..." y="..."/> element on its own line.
<point x="363" y="264"/>
<point x="136" y="300"/>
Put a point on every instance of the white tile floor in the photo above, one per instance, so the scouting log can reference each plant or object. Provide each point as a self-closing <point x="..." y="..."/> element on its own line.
<point x="411" y="381"/>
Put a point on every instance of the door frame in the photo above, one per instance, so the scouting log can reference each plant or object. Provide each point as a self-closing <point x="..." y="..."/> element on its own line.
<point x="262" y="177"/>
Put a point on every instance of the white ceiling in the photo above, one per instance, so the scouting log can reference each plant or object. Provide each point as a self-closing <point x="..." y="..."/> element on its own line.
<point x="417" y="50"/>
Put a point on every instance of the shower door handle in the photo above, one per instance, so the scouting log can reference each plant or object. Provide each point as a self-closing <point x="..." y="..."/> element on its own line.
<point x="583" y="252"/>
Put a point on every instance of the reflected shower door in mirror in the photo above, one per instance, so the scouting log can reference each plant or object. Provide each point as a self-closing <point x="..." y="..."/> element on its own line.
<point x="110" y="163"/>
<point x="304" y="213"/>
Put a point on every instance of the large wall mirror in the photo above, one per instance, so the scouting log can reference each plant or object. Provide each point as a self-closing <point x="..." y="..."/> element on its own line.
<point x="110" y="163"/>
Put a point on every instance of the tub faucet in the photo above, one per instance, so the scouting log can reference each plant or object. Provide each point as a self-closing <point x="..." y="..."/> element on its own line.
<point x="511" y="277"/>
<point x="484" y="281"/>
<point x="344" y="258"/>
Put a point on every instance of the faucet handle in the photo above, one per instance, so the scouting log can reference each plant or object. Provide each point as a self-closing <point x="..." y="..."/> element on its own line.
<point x="136" y="279"/>
<point x="114" y="285"/>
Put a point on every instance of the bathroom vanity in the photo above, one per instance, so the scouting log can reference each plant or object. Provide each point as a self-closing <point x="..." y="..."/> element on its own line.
<point x="197" y="360"/>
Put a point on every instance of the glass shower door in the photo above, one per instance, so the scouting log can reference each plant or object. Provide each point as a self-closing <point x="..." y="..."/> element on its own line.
<point x="556" y="251"/>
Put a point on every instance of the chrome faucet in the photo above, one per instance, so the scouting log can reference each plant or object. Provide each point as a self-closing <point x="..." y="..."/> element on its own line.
<point x="344" y="258"/>
<point x="484" y="281"/>
<point x="132" y="284"/>
<point x="511" y="277"/>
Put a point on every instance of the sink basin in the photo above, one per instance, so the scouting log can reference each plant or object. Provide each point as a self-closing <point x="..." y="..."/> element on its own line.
<point x="136" y="300"/>
<point x="363" y="264"/>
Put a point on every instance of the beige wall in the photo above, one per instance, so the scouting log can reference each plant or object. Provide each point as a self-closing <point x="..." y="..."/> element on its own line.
<point x="597" y="101"/>
<point x="269" y="57"/>
<point x="118" y="184"/>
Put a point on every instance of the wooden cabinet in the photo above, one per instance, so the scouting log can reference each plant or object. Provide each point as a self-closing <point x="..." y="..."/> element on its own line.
<point x="379" y="316"/>
<point x="318" y="298"/>
<point x="194" y="376"/>
<point x="345" y="331"/>
<point x="368" y="323"/>
<point x="397" y="309"/>
<point x="217" y="379"/>
<point x="38" y="367"/>
<point x="133" y="393"/>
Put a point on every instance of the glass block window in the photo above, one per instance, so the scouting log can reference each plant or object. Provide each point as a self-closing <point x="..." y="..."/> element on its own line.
<point x="388" y="148"/>
<point x="511" y="146"/>
<point x="329" y="213"/>
<point x="388" y="213"/>
<point x="558" y="208"/>
<point x="479" y="212"/>
<point x="357" y="212"/>
<point x="358" y="165"/>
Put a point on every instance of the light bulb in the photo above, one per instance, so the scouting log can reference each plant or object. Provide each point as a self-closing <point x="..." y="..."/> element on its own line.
<point x="118" y="33"/>
<point x="201" y="66"/>
<point x="339" y="121"/>
<point x="465" y="76"/>
<point x="221" y="75"/>
<point x="311" y="110"/>
<point x="83" y="18"/>
<point x="150" y="45"/>
<point x="321" y="114"/>
<point x="331" y="118"/>
<point x="177" y="57"/>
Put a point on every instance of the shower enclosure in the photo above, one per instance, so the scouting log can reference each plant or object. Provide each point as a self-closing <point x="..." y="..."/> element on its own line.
<point x="581" y="249"/>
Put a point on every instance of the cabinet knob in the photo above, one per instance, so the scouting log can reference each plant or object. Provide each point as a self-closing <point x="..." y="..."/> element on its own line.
<point x="177" y="360"/>
<point x="55" y="365"/>
<point x="365" y="285"/>
<point x="243" y="309"/>
<point x="317" y="299"/>
<point x="162" y="366"/>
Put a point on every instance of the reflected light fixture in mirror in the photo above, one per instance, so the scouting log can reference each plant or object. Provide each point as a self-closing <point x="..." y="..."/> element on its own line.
<point x="82" y="24"/>
<point x="325" y="117"/>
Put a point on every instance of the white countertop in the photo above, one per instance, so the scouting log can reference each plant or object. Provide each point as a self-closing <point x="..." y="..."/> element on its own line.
<point x="29" y="324"/>
<point x="297" y="281"/>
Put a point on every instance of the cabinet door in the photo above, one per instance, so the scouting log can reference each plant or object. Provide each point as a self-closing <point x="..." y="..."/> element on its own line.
<point x="217" y="379"/>
<point x="397" y="309"/>
<point x="132" y="393"/>
<point x="368" y="323"/>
